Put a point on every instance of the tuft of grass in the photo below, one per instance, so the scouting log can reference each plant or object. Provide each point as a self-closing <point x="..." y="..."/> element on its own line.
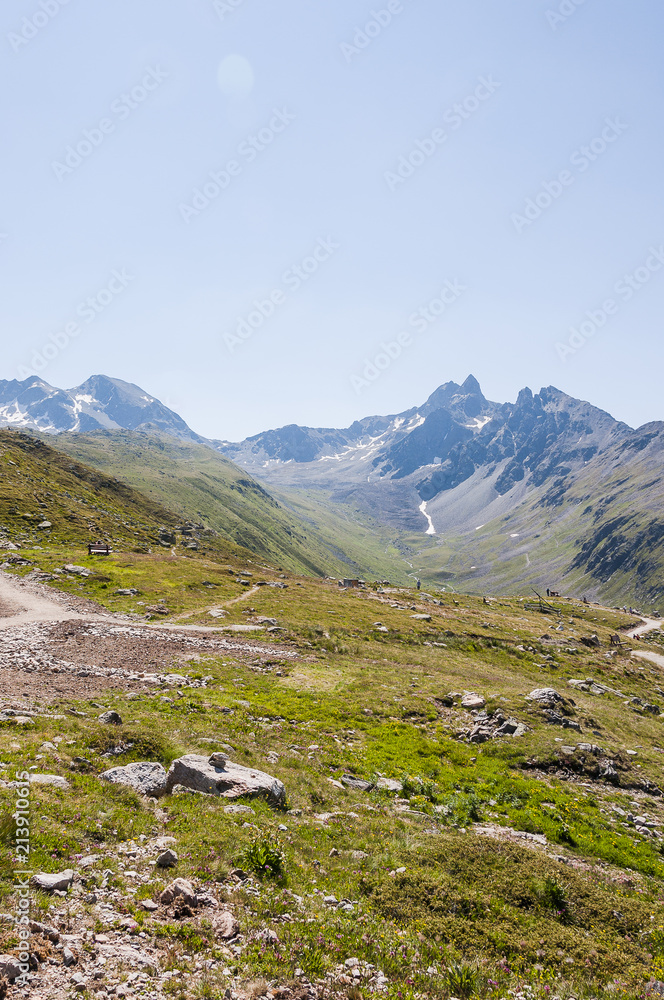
<point x="463" y="980"/>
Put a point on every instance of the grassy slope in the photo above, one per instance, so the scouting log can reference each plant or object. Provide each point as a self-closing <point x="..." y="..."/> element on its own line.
<point x="599" y="532"/>
<point x="427" y="889"/>
<point x="39" y="484"/>
<point x="198" y="482"/>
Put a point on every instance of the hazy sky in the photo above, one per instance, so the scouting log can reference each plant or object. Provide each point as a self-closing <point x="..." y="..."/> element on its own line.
<point x="237" y="203"/>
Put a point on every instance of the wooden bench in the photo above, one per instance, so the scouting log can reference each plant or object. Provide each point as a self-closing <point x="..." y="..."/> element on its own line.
<point x="99" y="549"/>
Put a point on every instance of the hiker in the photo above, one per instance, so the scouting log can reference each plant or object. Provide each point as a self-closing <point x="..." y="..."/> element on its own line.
<point x="418" y="584"/>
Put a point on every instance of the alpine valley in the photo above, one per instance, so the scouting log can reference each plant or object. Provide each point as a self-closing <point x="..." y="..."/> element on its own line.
<point x="465" y="493"/>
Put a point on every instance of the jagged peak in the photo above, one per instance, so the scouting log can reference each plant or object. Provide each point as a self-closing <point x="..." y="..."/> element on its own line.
<point x="472" y="387"/>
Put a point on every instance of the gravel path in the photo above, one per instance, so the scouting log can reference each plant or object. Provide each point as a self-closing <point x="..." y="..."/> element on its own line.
<point x="54" y="646"/>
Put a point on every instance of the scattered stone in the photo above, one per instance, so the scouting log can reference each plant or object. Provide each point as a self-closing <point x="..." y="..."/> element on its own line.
<point x="9" y="967"/>
<point x="77" y="570"/>
<point x="68" y="956"/>
<point x="127" y="592"/>
<point x="225" y="925"/>
<point x="168" y="859"/>
<point x="421" y="618"/>
<point x="350" y="781"/>
<point x="227" y="779"/>
<point x="145" y="777"/>
<point x="48" y="882"/>
<point x="593" y="687"/>
<point x="149" y="905"/>
<point x="81" y="763"/>
<point x="238" y="810"/>
<point x="111" y="718"/>
<point x="45" y="930"/>
<point x="489" y="727"/>
<point x="555" y="719"/>
<point x="180" y="888"/>
<point x="471" y="701"/>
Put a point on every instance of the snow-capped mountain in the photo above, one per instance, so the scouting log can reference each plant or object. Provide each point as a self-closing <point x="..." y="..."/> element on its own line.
<point x="413" y="466"/>
<point x="99" y="403"/>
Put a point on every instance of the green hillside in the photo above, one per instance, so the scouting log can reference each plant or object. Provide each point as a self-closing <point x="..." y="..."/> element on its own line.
<point x="199" y="483"/>
<point x="47" y="498"/>
<point x="512" y="853"/>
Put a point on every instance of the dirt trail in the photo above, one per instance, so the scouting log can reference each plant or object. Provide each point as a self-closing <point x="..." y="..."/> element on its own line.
<point x="649" y="625"/>
<point x="211" y="607"/>
<point x="21" y="604"/>
<point x="54" y="646"/>
<point x="651" y="657"/>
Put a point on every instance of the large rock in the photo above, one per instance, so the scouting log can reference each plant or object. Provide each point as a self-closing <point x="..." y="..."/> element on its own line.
<point x="144" y="777"/>
<point x="48" y="882"/>
<point x="216" y="775"/>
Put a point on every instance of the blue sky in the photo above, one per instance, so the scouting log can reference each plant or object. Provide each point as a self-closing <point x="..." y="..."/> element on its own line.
<point x="455" y="188"/>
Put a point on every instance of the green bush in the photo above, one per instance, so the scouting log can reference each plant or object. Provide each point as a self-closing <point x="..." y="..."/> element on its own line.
<point x="264" y="858"/>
